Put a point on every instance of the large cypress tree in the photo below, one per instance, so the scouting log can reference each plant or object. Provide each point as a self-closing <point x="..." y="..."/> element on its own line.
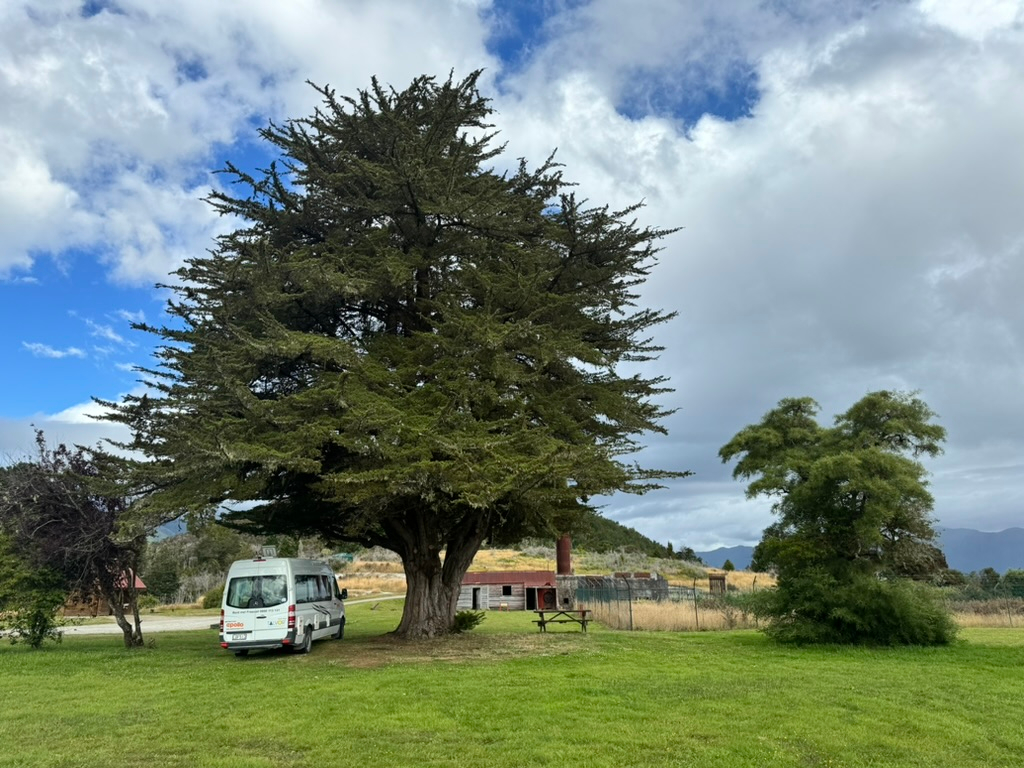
<point x="403" y="346"/>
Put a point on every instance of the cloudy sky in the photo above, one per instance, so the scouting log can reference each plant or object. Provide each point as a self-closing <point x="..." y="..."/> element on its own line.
<point x="849" y="177"/>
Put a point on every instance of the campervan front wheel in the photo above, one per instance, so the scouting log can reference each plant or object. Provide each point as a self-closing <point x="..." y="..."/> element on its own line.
<point x="341" y="630"/>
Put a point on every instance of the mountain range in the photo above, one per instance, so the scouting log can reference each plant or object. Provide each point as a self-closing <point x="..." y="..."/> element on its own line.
<point x="966" y="550"/>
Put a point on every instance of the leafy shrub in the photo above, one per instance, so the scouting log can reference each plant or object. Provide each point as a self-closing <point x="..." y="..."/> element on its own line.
<point x="29" y="600"/>
<point x="148" y="602"/>
<point x="467" y="620"/>
<point x="816" y="608"/>
<point x="214" y="597"/>
<point x="32" y="618"/>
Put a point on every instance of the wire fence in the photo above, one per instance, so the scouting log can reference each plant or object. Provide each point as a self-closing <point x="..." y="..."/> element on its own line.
<point x="630" y="606"/>
<point x="646" y="606"/>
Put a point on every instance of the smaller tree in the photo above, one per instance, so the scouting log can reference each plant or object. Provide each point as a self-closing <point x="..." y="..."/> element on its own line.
<point x="162" y="572"/>
<point x="62" y="514"/>
<point x="29" y="599"/>
<point x="1012" y="583"/>
<point x="728" y="566"/>
<point x="853" y="542"/>
<point x="988" y="580"/>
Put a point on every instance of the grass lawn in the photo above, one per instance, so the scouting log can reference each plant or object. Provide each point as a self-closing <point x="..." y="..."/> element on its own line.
<point x="505" y="695"/>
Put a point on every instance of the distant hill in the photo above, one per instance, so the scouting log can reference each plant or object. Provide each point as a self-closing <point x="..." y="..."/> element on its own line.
<point x="599" y="534"/>
<point x="740" y="557"/>
<point x="965" y="549"/>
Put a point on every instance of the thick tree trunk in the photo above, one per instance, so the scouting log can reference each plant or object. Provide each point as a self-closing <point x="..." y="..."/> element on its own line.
<point x="429" y="599"/>
<point x="432" y="587"/>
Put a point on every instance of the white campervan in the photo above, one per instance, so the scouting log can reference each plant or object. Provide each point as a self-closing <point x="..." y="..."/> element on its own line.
<point x="280" y="602"/>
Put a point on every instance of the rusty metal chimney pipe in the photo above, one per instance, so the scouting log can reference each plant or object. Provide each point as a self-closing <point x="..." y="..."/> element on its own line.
<point x="563" y="555"/>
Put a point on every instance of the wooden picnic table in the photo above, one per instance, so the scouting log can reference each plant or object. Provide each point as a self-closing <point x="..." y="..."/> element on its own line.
<point x="579" y="616"/>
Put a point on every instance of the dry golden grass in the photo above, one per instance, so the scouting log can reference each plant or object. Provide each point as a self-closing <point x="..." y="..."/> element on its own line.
<point x="742" y="581"/>
<point x="997" y="612"/>
<point x="509" y="560"/>
<point x="363" y="585"/>
<point x="672" y="617"/>
<point x="972" y="619"/>
<point x="710" y="616"/>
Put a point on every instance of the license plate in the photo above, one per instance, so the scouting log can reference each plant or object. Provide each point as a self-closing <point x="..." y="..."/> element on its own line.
<point x="240" y="636"/>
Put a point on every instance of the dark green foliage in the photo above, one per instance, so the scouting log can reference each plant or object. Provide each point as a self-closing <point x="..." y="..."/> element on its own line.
<point x="818" y="607"/>
<point x="987" y="580"/>
<point x="148" y="602"/>
<point x="728" y="566"/>
<point x="214" y="597"/>
<point x="951" y="578"/>
<point x="162" y="572"/>
<point x="30" y="599"/>
<point x="980" y="585"/>
<point x="467" y="620"/>
<point x="853" y="531"/>
<point x="217" y="547"/>
<point x="181" y="568"/>
<point x="1012" y="583"/>
<point x="403" y="346"/>
<point x="64" y="515"/>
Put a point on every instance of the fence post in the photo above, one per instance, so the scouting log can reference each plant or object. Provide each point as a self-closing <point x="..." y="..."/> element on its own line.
<point x="629" y="597"/>
<point x="696" y="616"/>
<point x="753" y="589"/>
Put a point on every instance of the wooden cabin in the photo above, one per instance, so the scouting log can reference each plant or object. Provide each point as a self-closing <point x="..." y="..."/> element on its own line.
<point x="508" y="591"/>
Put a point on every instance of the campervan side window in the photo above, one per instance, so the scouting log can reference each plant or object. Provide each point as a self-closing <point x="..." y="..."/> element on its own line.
<point x="325" y="587"/>
<point x="309" y="589"/>
<point x="257" y="591"/>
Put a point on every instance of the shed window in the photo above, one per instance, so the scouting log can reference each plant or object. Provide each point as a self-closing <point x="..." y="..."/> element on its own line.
<point x="506" y="591"/>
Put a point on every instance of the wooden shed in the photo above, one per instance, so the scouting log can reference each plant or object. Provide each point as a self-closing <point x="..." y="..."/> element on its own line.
<point x="508" y="591"/>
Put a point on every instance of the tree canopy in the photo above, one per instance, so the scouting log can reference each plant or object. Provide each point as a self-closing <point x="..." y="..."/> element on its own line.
<point x="853" y="522"/>
<point x="403" y="345"/>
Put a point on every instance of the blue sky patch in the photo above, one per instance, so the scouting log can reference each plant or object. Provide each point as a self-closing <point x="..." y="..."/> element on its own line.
<point x="517" y="28"/>
<point x="688" y="99"/>
<point x="92" y="8"/>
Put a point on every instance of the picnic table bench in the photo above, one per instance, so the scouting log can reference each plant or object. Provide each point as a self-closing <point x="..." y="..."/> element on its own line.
<point x="579" y="616"/>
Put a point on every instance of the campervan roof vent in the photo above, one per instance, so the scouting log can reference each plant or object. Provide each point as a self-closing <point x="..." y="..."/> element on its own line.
<point x="268" y="551"/>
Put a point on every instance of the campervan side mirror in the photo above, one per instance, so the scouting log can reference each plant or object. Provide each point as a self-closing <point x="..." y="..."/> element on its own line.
<point x="344" y="594"/>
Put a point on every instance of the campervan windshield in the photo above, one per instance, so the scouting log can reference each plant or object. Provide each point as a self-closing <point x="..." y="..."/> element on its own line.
<point x="257" y="591"/>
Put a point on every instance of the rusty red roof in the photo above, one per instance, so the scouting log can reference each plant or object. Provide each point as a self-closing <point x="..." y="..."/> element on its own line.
<point x="526" y="578"/>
